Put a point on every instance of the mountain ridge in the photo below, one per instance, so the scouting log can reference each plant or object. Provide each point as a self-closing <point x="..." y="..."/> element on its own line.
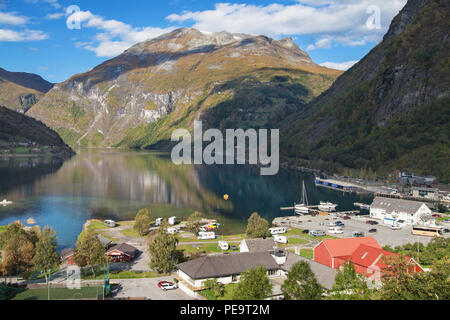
<point x="135" y="99"/>
<point x="372" y="117"/>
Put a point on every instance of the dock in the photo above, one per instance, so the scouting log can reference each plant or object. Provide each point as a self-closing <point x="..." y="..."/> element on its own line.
<point x="362" y="205"/>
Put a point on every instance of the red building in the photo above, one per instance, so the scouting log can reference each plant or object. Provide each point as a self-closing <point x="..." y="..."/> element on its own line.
<point x="122" y="253"/>
<point x="334" y="252"/>
<point x="365" y="253"/>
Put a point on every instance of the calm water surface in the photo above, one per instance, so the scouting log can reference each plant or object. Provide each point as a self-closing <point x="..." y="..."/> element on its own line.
<point x="113" y="184"/>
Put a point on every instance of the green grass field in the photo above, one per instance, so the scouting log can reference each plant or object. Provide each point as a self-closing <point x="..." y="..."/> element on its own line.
<point x="57" y="294"/>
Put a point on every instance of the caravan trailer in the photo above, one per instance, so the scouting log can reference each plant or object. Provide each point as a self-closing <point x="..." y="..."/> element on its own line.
<point x="172" y="220"/>
<point x="158" y="221"/>
<point x="109" y="223"/>
<point x="223" y="245"/>
<point x="280" y="239"/>
<point x="277" y="230"/>
<point x="172" y="230"/>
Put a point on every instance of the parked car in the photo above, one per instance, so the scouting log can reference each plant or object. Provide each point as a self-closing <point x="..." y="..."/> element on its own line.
<point x="346" y="218"/>
<point x="233" y="247"/>
<point x="167" y="285"/>
<point x="437" y="215"/>
<point x="446" y="230"/>
<point x="335" y="230"/>
<point x="339" y="223"/>
<point x="395" y="227"/>
<point x="371" y="222"/>
<point x="372" y="230"/>
<point x="357" y="234"/>
<point x="305" y="231"/>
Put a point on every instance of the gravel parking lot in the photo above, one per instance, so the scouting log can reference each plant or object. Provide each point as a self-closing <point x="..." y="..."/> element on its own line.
<point x="384" y="235"/>
<point x="147" y="288"/>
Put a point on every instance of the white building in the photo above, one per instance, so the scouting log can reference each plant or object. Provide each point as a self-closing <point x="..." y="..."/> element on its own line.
<point x="398" y="211"/>
<point x="257" y="245"/>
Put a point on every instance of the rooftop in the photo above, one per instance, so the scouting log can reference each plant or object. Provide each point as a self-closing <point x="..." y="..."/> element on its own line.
<point x="346" y="246"/>
<point x="259" y="245"/>
<point x="391" y="205"/>
<point x="228" y="264"/>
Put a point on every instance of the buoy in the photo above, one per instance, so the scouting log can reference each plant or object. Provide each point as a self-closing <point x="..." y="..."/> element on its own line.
<point x="226" y="197"/>
<point x="31" y="221"/>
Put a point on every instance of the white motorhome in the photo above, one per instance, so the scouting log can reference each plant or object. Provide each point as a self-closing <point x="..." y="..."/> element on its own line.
<point x="223" y="245"/>
<point x="172" y="220"/>
<point x="158" y="221"/>
<point x="206" y="235"/>
<point x="279" y="239"/>
<point x="172" y="230"/>
<point x="109" y="223"/>
<point x="335" y="230"/>
<point x="277" y="230"/>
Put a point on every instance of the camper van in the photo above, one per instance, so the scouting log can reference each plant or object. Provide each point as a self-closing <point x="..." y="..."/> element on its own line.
<point x="158" y="221"/>
<point x="223" y="245"/>
<point x="172" y="230"/>
<point x="109" y="223"/>
<point x="278" y="230"/>
<point x="316" y="233"/>
<point x="206" y="236"/>
<point x="279" y="239"/>
<point x="172" y="220"/>
<point x="335" y="230"/>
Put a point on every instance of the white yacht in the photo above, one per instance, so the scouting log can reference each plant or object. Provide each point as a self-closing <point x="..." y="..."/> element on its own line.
<point x="302" y="208"/>
<point x="327" y="206"/>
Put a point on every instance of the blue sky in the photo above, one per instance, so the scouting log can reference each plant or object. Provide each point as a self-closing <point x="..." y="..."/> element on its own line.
<point x="35" y="37"/>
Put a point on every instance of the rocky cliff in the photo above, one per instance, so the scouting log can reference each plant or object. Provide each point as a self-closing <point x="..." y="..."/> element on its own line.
<point x="20" y="91"/>
<point x="391" y="110"/>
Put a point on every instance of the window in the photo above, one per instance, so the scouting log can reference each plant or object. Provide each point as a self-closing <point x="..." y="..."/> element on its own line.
<point x="272" y="272"/>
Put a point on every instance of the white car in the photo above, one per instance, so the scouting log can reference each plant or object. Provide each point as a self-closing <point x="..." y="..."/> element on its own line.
<point x="166" y="285"/>
<point x="396" y="227"/>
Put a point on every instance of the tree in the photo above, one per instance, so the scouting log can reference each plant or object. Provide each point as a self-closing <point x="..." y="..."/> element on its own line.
<point x="163" y="250"/>
<point x="142" y="222"/>
<point x="89" y="250"/>
<point x="46" y="258"/>
<point x="301" y="284"/>
<point x="348" y="285"/>
<point x="194" y="222"/>
<point x="17" y="254"/>
<point x="254" y="285"/>
<point x="217" y="288"/>
<point x="257" y="227"/>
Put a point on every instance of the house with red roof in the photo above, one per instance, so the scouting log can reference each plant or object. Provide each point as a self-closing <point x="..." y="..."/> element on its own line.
<point x="365" y="253"/>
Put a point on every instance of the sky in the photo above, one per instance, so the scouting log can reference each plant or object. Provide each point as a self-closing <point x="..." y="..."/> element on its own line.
<point x="57" y="38"/>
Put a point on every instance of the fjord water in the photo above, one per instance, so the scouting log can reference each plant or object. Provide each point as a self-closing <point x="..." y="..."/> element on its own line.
<point x="113" y="184"/>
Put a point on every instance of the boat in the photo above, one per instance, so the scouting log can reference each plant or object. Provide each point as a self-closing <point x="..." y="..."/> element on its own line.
<point x="302" y="208"/>
<point x="327" y="206"/>
<point x="5" y="202"/>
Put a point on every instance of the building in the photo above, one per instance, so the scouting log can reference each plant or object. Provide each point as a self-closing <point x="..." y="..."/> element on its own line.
<point x="226" y="268"/>
<point x="365" y="253"/>
<point x="68" y="255"/>
<point x="398" y="211"/>
<point x="105" y="241"/>
<point x="257" y="245"/>
<point x="428" y="193"/>
<point x="367" y="259"/>
<point x="333" y="252"/>
<point x="122" y="253"/>
<point x="324" y="274"/>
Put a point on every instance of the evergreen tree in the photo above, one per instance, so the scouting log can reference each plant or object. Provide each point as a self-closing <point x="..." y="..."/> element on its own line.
<point x="301" y="284"/>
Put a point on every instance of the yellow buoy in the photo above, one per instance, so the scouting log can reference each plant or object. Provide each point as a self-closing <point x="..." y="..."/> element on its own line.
<point x="226" y="197"/>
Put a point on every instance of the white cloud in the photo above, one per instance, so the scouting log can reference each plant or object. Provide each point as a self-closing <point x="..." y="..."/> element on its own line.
<point x="54" y="16"/>
<point x="114" y="36"/>
<point x="11" y="19"/>
<point x="331" y="21"/>
<point x="340" y="65"/>
<point x="16" y="36"/>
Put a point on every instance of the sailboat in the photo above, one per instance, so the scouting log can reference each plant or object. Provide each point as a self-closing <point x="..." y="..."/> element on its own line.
<point x="5" y="202"/>
<point x="302" y="208"/>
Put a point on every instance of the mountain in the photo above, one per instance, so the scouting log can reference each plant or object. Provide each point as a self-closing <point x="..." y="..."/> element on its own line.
<point x="20" y="90"/>
<point x="22" y="134"/>
<point x="390" y="110"/>
<point x="136" y="99"/>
